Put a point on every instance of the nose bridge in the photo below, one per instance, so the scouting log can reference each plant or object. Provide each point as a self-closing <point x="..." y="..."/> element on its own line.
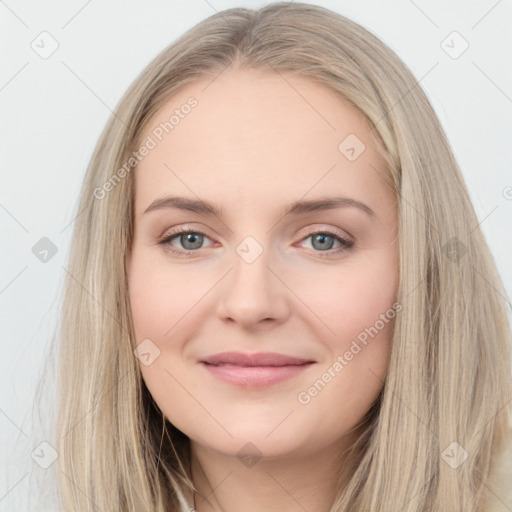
<point x="252" y="292"/>
<point x="252" y="263"/>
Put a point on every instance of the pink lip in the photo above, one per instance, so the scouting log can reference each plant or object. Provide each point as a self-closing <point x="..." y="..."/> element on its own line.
<point x="255" y="370"/>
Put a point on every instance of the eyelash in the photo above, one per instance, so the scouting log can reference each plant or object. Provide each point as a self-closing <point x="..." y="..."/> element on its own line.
<point x="165" y="241"/>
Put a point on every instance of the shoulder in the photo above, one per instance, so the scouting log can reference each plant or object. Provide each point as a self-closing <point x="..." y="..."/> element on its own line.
<point x="500" y="479"/>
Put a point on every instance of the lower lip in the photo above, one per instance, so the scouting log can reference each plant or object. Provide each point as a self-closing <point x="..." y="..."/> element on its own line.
<point x="255" y="376"/>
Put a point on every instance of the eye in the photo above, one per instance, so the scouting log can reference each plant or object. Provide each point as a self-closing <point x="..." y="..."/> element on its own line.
<point x="190" y="241"/>
<point x="323" y="241"/>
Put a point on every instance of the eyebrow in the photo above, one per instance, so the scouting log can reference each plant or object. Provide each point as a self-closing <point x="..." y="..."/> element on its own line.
<point x="296" y="208"/>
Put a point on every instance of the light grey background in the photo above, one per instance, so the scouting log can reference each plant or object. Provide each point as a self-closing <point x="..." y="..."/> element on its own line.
<point x="53" y="110"/>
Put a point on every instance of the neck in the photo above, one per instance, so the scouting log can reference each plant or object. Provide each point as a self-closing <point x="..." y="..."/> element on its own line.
<point x="287" y="483"/>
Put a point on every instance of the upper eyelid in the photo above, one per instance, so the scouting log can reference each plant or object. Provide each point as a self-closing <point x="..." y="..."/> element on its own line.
<point x="331" y="231"/>
<point x="183" y="230"/>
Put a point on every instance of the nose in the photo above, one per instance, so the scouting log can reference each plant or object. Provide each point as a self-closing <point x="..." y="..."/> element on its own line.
<point x="252" y="294"/>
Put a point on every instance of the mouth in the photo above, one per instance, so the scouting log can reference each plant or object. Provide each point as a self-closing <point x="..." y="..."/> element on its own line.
<point x="258" y="359"/>
<point x="255" y="370"/>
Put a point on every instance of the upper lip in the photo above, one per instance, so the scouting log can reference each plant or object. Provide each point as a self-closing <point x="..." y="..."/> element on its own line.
<point x="259" y="359"/>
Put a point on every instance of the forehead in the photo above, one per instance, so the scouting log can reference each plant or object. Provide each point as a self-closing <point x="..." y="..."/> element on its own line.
<point x="257" y="136"/>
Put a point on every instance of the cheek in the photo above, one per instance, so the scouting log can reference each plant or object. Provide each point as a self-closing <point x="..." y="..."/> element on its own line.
<point x="360" y="310"/>
<point x="358" y="305"/>
<point x="355" y="299"/>
<point x="150" y="312"/>
<point x="159" y="311"/>
<point x="160" y="300"/>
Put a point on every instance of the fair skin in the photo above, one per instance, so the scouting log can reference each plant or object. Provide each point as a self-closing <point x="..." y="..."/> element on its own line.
<point x="252" y="146"/>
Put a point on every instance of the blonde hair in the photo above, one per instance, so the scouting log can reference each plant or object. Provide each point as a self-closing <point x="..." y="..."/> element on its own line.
<point x="448" y="378"/>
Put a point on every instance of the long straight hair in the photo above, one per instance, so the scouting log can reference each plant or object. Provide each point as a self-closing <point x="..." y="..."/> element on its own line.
<point x="448" y="384"/>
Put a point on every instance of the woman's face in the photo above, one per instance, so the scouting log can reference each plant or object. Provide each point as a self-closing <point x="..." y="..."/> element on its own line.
<point x="292" y="250"/>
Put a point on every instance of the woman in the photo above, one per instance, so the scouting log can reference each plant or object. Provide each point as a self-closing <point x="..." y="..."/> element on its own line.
<point x="333" y="339"/>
